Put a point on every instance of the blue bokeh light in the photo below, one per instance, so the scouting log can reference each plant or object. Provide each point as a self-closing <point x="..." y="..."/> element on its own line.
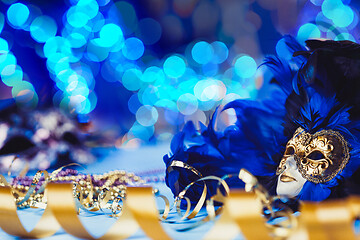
<point x="186" y="86"/>
<point x="57" y="62"/>
<point x="108" y="43"/>
<point x="210" y="90"/>
<point x="147" y="115"/>
<point x="167" y="104"/>
<point x="187" y="104"/>
<point x="133" y="48"/>
<point x="148" y="96"/>
<point x="329" y="7"/>
<point x="126" y="14"/>
<point x="7" y="59"/>
<point x="131" y="79"/>
<point x="245" y="66"/>
<point x="76" y="40"/>
<point x="210" y="69"/>
<point x="109" y="35"/>
<point x="2" y="22"/>
<point x="18" y="14"/>
<point x="333" y="33"/>
<point x="88" y="7"/>
<point x="96" y="53"/>
<point x="174" y="66"/>
<point x="221" y="52"/>
<point x="173" y="117"/>
<point x="133" y="103"/>
<point x="202" y="52"/>
<point x="345" y="36"/>
<point x="141" y="132"/>
<point x="77" y="85"/>
<point x="323" y="22"/>
<point x="43" y="28"/>
<point x="152" y="74"/>
<point x="12" y="75"/>
<point x="83" y="106"/>
<point x="76" y="18"/>
<point x="308" y="31"/>
<point x="4" y="46"/>
<point x="27" y="99"/>
<point x="20" y="87"/>
<point x="92" y="100"/>
<point x="62" y="78"/>
<point x="97" y="22"/>
<point x="343" y="16"/>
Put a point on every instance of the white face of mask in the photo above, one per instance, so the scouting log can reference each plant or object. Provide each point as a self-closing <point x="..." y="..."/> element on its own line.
<point x="290" y="182"/>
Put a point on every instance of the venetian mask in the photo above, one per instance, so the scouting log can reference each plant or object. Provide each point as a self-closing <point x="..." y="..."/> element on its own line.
<point x="319" y="157"/>
<point x="290" y="182"/>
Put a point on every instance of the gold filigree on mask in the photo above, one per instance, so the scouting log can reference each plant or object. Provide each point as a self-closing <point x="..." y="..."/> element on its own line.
<point x="319" y="157"/>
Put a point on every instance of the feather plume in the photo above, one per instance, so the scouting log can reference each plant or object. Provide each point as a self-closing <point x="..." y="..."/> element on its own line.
<point x="319" y="91"/>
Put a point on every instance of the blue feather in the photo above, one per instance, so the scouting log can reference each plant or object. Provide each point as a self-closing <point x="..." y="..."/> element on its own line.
<point x="293" y="47"/>
<point x="282" y="72"/>
<point x="315" y="192"/>
<point x="258" y="138"/>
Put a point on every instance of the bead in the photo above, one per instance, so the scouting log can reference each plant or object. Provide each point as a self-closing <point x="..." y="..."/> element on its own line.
<point x="113" y="181"/>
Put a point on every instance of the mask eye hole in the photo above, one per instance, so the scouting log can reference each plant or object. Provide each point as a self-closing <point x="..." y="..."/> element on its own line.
<point x="289" y="151"/>
<point x="316" y="155"/>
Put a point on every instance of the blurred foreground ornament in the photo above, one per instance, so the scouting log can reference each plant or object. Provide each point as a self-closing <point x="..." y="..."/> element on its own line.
<point x="40" y="139"/>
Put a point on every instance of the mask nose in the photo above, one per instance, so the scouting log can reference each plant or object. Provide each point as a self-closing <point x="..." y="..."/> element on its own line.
<point x="290" y="163"/>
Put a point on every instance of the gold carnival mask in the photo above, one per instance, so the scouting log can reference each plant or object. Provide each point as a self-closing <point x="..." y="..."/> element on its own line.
<point x="319" y="156"/>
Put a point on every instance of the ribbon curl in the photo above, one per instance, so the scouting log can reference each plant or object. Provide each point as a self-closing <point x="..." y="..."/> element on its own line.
<point x="241" y="211"/>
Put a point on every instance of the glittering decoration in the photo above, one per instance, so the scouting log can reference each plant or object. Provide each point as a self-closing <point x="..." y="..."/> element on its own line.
<point x="29" y="191"/>
<point x="41" y="139"/>
<point x="255" y="208"/>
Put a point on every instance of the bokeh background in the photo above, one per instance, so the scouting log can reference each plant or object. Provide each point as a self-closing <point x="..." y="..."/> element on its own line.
<point x="140" y="69"/>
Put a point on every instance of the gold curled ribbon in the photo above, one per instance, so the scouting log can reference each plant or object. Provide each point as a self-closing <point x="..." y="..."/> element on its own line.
<point x="251" y="184"/>
<point x="198" y="205"/>
<point x="139" y="211"/>
<point x="241" y="209"/>
<point x="11" y="224"/>
<point x="140" y="202"/>
<point x="3" y="181"/>
<point x="61" y="202"/>
<point x="333" y="219"/>
<point x="210" y="208"/>
<point x="180" y="164"/>
<point x="181" y="195"/>
<point x="166" y="211"/>
<point x="218" y="196"/>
